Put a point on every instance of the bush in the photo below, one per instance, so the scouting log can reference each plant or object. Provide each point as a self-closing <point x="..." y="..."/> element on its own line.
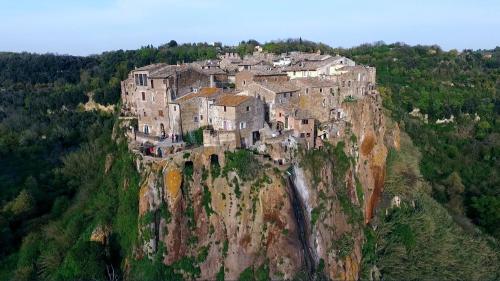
<point x="243" y="163"/>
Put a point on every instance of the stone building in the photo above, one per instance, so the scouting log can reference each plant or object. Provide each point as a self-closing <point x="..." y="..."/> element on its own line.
<point x="321" y="97"/>
<point x="259" y="75"/>
<point x="194" y="108"/>
<point x="149" y="93"/>
<point x="241" y="115"/>
<point x="356" y="81"/>
<point x="272" y="93"/>
<point x="308" y="67"/>
<point x="301" y="122"/>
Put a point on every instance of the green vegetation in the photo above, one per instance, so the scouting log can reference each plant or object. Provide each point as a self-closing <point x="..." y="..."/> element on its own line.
<point x="461" y="159"/>
<point x="243" y="163"/>
<point x="194" y="137"/>
<point x="258" y="274"/>
<point x="56" y="190"/>
<point x="215" y="169"/>
<point x="420" y="240"/>
<point x="315" y="213"/>
<point x="207" y="200"/>
<point x="221" y="274"/>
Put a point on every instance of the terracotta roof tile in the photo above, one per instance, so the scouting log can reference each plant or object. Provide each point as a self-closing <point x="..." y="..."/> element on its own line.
<point x="232" y="100"/>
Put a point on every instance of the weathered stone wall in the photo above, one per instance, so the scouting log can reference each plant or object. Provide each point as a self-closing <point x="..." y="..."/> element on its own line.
<point x="236" y="229"/>
<point x="251" y="113"/>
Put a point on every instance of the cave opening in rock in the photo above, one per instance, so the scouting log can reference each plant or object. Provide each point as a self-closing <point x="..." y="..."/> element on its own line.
<point x="214" y="165"/>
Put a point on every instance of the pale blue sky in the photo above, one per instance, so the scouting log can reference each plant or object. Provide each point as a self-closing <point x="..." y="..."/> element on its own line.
<point x="93" y="26"/>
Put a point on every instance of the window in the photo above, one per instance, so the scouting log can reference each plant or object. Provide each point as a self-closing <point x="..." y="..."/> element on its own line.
<point x="305" y="121"/>
<point x="152" y="84"/>
<point x="126" y="93"/>
<point x="248" y="108"/>
<point x="144" y="112"/>
<point x="143" y="96"/>
<point x="302" y="135"/>
<point x="243" y="125"/>
<point x="307" y="90"/>
<point x="321" y="90"/>
<point x="280" y="114"/>
<point x="331" y="91"/>
<point x="201" y="117"/>
<point x="160" y="113"/>
<point x="244" y="82"/>
<point x="224" y="108"/>
<point x="196" y="119"/>
<point x="141" y="79"/>
<point x="308" y="134"/>
<point x="285" y="95"/>
<point x="210" y="120"/>
<point x="291" y="94"/>
<point x="152" y="97"/>
<point x="175" y="108"/>
<point x="349" y="83"/>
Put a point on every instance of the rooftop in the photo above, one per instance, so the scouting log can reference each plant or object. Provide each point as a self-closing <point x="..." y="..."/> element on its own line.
<point x="283" y="87"/>
<point x="151" y="67"/>
<point x="315" y="82"/>
<point x="202" y="93"/>
<point x="232" y="100"/>
<point x="167" y="71"/>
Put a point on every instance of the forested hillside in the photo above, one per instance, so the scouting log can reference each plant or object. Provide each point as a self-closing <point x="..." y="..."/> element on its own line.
<point x="461" y="159"/>
<point x="62" y="177"/>
<point x="54" y="188"/>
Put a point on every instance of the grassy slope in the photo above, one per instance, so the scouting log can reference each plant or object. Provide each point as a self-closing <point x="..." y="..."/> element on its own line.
<point x="420" y="240"/>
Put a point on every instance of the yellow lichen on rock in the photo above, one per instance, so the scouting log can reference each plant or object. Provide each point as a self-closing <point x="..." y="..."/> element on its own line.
<point x="367" y="144"/>
<point x="173" y="182"/>
<point x="379" y="155"/>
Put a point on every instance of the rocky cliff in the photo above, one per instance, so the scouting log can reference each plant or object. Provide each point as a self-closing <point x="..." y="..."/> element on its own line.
<point x="210" y="214"/>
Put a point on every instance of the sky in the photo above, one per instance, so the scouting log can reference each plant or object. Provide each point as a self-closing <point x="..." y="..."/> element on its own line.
<point x="93" y="26"/>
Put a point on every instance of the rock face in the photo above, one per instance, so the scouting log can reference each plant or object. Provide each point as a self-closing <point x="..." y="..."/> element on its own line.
<point x="341" y="186"/>
<point x="225" y="222"/>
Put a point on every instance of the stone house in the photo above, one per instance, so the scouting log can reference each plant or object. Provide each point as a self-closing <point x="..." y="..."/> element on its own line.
<point x="261" y="75"/>
<point x="272" y="94"/>
<point x="243" y="115"/>
<point x="194" y="108"/>
<point x="356" y="81"/>
<point x="307" y="68"/>
<point x="298" y="120"/>
<point x="150" y="91"/>
<point x="251" y="63"/>
<point x="321" y="97"/>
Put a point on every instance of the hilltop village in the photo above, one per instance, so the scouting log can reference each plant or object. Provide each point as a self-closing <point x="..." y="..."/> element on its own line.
<point x="263" y="101"/>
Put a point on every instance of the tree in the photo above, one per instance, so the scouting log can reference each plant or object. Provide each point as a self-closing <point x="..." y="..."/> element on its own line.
<point x="454" y="190"/>
<point x="172" y="44"/>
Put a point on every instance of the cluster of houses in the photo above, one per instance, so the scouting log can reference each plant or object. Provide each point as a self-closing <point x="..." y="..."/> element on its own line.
<point x="261" y="99"/>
